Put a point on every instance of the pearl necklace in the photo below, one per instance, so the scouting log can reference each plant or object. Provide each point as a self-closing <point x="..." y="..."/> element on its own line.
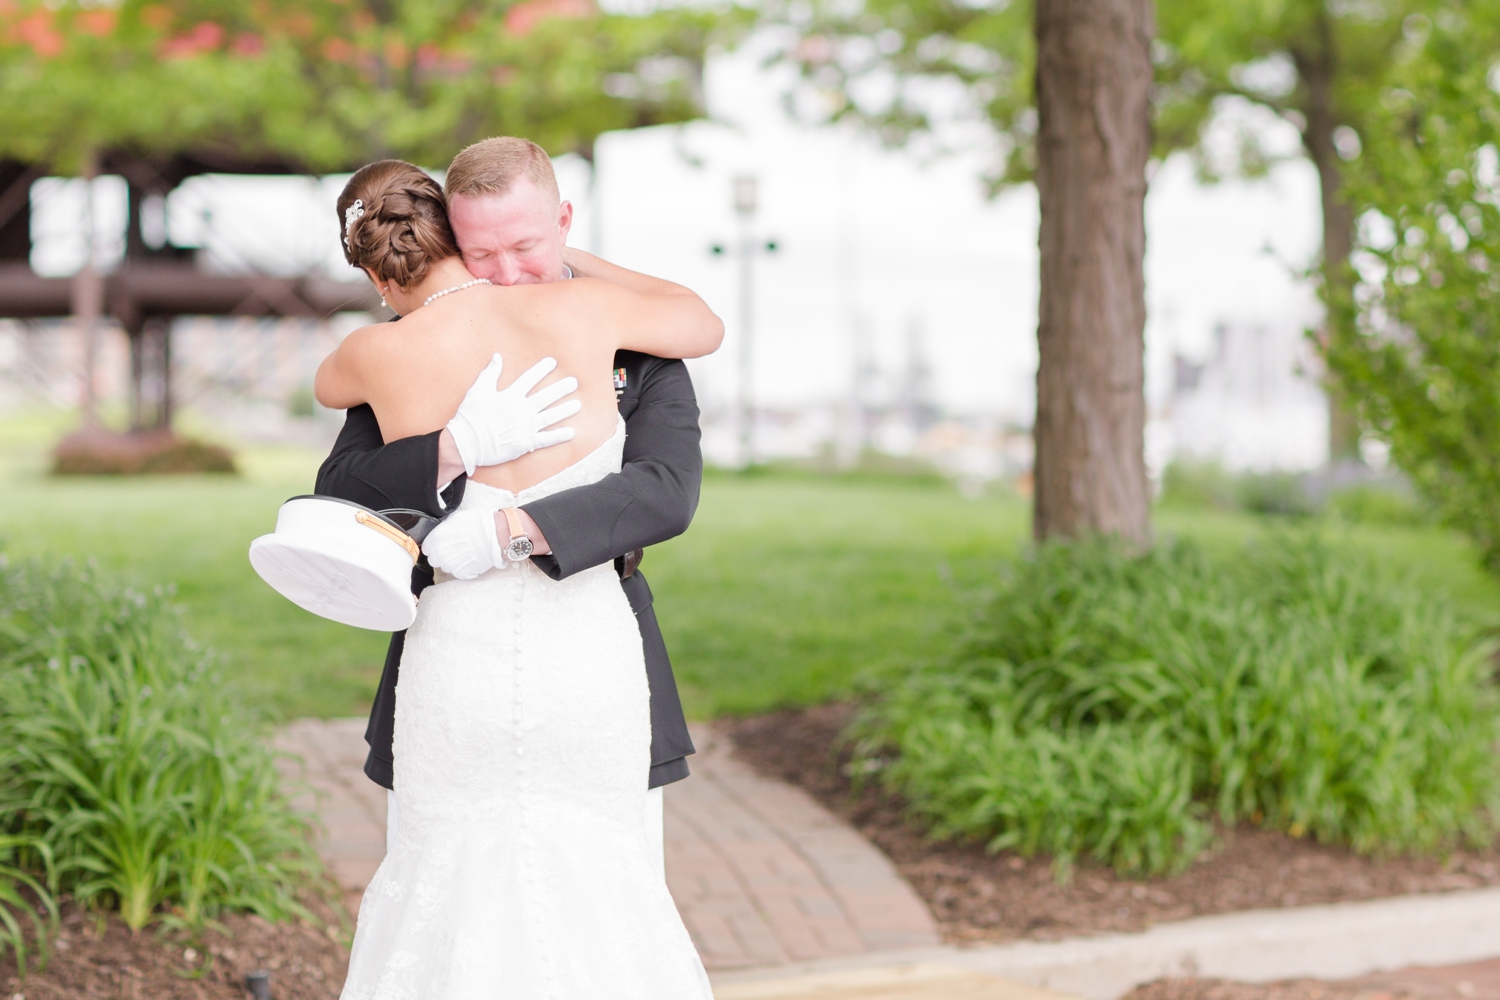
<point x="455" y="288"/>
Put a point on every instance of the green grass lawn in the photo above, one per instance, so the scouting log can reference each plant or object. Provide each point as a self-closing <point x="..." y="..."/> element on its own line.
<point x="785" y="588"/>
<point x="193" y="532"/>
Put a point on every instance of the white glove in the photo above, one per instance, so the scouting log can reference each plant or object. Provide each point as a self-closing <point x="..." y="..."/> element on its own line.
<point x="493" y="426"/>
<point x="465" y="545"/>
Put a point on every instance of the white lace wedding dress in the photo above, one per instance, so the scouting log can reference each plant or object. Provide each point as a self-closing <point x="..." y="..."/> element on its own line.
<point x="523" y="743"/>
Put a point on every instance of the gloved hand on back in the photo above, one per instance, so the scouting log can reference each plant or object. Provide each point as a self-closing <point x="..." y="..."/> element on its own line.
<point x="494" y="426"/>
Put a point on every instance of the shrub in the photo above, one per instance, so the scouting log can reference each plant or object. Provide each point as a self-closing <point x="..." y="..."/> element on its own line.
<point x="1348" y="493"/>
<point x="1109" y="705"/>
<point x="1414" y="323"/>
<point x="1208" y="486"/>
<point x="101" y="453"/>
<point x="1198" y="485"/>
<point x="20" y="892"/>
<point x="1366" y="504"/>
<point x="1278" y="494"/>
<point x="127" y="758"/>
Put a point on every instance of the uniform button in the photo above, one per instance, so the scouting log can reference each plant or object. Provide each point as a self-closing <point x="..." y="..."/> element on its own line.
<point x="520" y="751"/>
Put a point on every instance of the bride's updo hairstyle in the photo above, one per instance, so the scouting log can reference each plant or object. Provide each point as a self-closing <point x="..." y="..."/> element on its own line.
<point x="395" y="222"/>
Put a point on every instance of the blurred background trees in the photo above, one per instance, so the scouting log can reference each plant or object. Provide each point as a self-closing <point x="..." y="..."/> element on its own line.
<point x="157" y="92"/>
<point x="1322" y="67"/>
<point x="1417" y="342"/>
<point x="325" y="86"/>
<point x="1396" y="77"/>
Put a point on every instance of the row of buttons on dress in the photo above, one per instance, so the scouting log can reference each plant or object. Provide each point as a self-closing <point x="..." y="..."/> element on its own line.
<point x="528" y="861"/>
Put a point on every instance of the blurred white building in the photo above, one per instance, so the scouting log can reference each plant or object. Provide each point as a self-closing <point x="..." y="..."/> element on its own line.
<point x="1253" y="404"/>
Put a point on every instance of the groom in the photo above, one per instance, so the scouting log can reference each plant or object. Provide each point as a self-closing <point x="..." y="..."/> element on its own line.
<point x="512" y="228"/>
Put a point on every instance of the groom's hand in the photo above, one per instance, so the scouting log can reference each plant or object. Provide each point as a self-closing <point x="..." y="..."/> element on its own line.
<point x="469" y="542"/>
<point x="465" y="545"/>
<point x="494" y="426"/>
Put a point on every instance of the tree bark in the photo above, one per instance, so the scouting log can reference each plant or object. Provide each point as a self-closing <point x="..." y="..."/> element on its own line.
<point x="88" y="299"/>
<point x="1093" y="82"/>
<point x="1317" y="69"/>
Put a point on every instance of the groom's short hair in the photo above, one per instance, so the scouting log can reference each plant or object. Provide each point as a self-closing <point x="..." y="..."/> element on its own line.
<point x="491" y="166"/>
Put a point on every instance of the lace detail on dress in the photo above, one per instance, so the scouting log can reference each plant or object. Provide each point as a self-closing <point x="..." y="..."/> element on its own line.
<point x="522" y="746"/>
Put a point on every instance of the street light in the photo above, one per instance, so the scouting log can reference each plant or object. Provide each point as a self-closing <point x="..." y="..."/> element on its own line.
<point x="746" y="190"/>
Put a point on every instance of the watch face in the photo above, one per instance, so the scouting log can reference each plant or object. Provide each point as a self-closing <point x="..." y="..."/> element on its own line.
<point x="518" y="549"/>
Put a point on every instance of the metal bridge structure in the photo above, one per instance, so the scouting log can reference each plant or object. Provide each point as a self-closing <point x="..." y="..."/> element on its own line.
<point x="152" y="285"/>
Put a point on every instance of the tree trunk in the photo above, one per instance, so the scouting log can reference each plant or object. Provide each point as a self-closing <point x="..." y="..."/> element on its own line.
<point x="88" y="299"/>
<point x="1093" y="81"/>
<point x="1317" y="69"/>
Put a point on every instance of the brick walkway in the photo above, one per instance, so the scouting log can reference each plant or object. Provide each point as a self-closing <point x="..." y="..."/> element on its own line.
<point x="1474" y="981"/>
<point x="350" y="806"/>
<point x="762" y="874"/>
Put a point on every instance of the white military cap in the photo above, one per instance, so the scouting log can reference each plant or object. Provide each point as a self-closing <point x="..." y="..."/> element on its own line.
<point x="343" y="561"/>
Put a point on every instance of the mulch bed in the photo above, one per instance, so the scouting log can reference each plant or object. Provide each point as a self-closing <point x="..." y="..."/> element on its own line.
<point x="307" y="960"/>
<point x="1475" y="981"/>
<point x="979" y="896"/>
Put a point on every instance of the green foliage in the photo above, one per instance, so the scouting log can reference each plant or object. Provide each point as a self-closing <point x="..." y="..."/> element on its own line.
<point x="1278" y="494"/>
<point x="1107" y="705"/>
<point x="1368" y="504"/>
<point x="1316" y="64"/>
<point x="330" y="84"/>
<point x="1417" y="345"/>
<point x="21" y="890"/>
<point x="849" y="54"/>
<point x="1188" y="485"/>
<point x="126" y="756"/>
<point x="1198" y="485"/>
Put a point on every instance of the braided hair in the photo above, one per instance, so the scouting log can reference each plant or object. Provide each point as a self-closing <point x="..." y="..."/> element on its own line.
<point x="395" y="222"/>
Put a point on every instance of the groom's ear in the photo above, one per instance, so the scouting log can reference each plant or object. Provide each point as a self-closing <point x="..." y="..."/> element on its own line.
<point x="564" y="219"/>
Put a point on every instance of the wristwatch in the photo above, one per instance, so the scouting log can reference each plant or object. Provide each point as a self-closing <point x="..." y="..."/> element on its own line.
<point x="519" y="547"/>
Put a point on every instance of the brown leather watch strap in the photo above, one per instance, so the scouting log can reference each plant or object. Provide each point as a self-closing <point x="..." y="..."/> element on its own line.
<point x="513" y="522"/>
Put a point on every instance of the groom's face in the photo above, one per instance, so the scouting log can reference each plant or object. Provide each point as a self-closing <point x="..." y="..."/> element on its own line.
<point x="515" y="238"/>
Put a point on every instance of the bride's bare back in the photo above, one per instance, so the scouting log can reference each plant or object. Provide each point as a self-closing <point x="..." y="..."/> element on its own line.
<point x="414" y="372"/>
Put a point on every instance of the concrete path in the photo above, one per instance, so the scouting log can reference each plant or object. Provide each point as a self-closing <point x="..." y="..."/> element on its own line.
<point x="1440" y="936"/>
<point x="898" y="982"/>
<point x="762" y="874"/>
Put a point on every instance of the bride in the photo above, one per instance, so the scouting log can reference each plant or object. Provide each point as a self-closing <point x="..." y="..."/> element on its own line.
<point x="520" y="866"/>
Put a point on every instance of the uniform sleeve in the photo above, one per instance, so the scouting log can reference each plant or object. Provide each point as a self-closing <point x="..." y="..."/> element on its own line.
<point x="652" y="498"/>
<point x="366" y="470"/>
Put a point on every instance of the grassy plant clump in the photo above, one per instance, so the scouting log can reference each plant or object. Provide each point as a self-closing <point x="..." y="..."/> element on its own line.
<point x="1109" y="705"/>
<point x="128" y="762"/>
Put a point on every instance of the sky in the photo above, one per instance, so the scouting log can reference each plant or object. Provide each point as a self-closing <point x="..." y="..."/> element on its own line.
<point x="880" y="252"/>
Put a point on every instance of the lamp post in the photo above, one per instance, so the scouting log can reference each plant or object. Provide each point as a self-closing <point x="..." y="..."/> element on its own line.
<point x="746" y="202"/>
